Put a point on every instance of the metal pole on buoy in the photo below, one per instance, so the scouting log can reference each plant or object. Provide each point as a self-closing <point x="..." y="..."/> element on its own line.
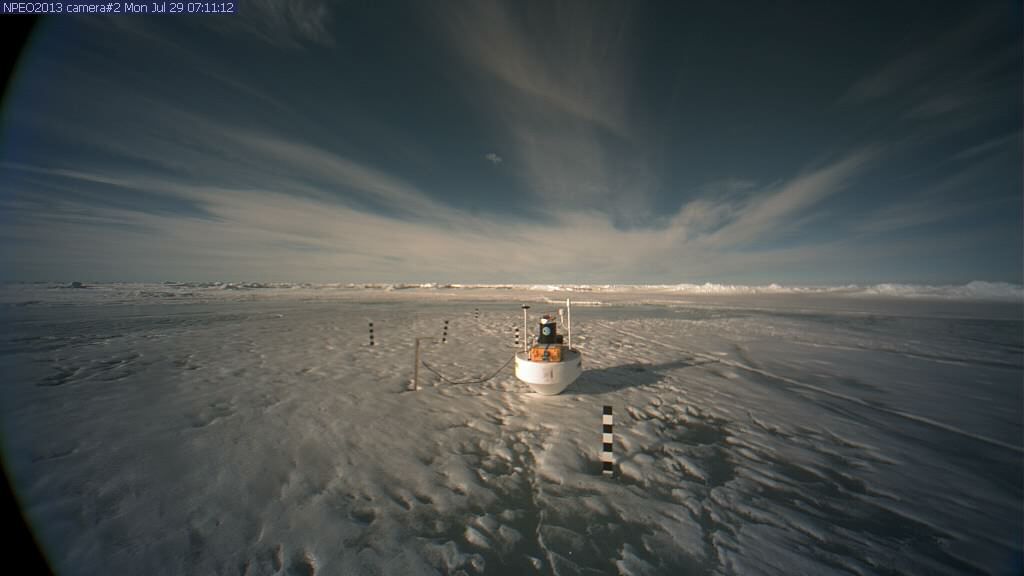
<point x="568" y="324"/>
<point x="525" y="331"/>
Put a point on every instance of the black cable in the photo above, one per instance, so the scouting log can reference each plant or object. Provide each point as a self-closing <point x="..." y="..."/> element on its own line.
<point x="478" y="381"/>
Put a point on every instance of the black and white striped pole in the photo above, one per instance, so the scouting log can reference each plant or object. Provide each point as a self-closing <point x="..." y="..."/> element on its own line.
<point x="371" y="333"/>
<point x="476" y="313"/>
<point x="517" y="336"/>
<point x="444" y="336"/>
<point x="607" y="461"/>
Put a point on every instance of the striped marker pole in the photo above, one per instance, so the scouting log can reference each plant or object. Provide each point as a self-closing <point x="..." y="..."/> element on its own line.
<point x="517" y="336"/>
<point x="607" y="462"/>
<point x="444" y="336"/>
<point x="371" y="333"/>
<point x="476" y="313"/>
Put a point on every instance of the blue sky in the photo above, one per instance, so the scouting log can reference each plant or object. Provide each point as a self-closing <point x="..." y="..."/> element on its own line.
<point x="477" y="141"/>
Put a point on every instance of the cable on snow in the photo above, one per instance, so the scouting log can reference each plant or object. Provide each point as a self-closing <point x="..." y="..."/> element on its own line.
<point x="477" y="381"/>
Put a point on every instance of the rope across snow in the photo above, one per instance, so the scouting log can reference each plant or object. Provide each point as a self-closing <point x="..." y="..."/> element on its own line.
<point x="475" y="381"/>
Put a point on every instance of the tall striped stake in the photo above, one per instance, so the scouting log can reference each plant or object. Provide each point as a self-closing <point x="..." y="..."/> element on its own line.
<point x="517" y="336"/>
<point x="371" y="333"/>
<point x="476" y="313"/>
<point x="444" y="336"/>
<point x="607" y="461"/>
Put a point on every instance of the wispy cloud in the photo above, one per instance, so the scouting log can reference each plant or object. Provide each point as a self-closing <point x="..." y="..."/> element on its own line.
<point x="772" y="211"/>
<point x="937" y="106"/>
<point x="273" y="206"/>
<point x="265" y="235"/>
<point x="909" y="214"/>
<point x="571" y="60"/>
<point x="556" y="80"/>
<point x="290" y="228"/>
<point x="273" y="190"/>
<point x="944" y="84"/>
<point x="954" y="197"/>
<point x="339" y="173"/>
<point x="895" y="75"/>
<point x="288" y="23"/>
<point x="931" y="59"/>
<point x="988" y="147"/>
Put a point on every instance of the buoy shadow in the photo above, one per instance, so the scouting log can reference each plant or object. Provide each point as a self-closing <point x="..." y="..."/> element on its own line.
<point x="633" y="375"/>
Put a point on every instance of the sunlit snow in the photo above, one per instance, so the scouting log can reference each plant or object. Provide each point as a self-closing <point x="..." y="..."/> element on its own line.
<point x="207" y="428"/>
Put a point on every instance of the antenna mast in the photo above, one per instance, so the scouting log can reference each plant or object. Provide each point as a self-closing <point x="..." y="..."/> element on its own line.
<point x="525" y="333"/>
<point x="568" y="324"/>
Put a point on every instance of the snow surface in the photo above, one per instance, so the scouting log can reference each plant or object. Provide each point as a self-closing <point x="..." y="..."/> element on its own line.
<point x="250" y="429"/>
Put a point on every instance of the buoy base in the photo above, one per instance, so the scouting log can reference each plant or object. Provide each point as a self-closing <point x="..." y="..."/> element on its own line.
<point x="549" y="378"/>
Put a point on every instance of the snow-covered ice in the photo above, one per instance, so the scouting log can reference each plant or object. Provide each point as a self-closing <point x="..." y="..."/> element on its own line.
<point x="211" y="428"/>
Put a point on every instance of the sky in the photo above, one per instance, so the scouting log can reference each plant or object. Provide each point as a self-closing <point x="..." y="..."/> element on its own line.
<point x="519" y="142"/>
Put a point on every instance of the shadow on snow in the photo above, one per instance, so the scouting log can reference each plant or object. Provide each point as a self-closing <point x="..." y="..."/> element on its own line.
<point x="633" y="375"/>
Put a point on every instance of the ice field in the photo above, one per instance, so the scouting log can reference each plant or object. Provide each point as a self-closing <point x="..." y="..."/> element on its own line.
<point x="251" y="429"/>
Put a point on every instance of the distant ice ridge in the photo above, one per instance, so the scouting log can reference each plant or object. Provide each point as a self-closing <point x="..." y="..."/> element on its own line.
<point x="976" y="290"/>
<point x="973" y="291"/>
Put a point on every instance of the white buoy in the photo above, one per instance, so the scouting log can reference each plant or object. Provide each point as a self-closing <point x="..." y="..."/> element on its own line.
<point x="548" y="366"/>
<point x="549" y="378"/>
